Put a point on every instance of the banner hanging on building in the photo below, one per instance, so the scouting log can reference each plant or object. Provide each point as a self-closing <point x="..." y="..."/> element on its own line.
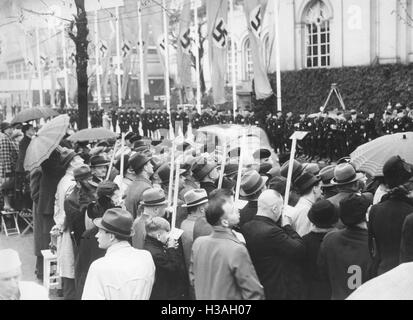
<point x="254" y="11"/>
<point x="217" y="17"/>
<point x="184" y="45"/>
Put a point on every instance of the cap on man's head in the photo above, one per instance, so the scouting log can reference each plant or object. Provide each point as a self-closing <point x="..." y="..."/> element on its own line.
<point x="9" y="260"/>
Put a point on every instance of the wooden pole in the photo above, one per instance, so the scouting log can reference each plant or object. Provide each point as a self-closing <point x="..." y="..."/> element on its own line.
<point x="111" y="162"/>
<point x="277" y="54"/>
<point x="197" y="66"/>
<point x="141" y="55"/>
<point x="176" y="192"/>
<point x="97" y="64"/>
<point x="290" y="172"/>
<point x="233" y="74"/>
<point x="240" y="165"/>
<point x="223" y="161"/>
<point x="122" y="159"/>
<point x="171" y="175"/>
<point x="118" y="58"/>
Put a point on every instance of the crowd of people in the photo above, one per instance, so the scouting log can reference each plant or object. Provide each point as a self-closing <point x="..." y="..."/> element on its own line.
<point x="115" y="233"/>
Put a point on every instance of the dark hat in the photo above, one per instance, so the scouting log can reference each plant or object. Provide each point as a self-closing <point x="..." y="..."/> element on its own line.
<point x="298" y="169"/>
<point x="99" y="161"/>
<point x="143" y="149"/>
<point x="82" y="173"/>
<point x="201" y="169"/>
<point x="153" y="197"/>
<point x="135" y="138"/>
<point x="327" y="174"/>
<point x="274" y="172"/>
<point x="139" y="143"/>
<point x="138" y="160"/>
<point x="235" y="152"/>
<point x="353" y="209"/>
<point x="313" y="168"/>
<point x="323" y="214"/>
<point x="129" y="136"/>
<point x="397" y="171"/>
<point x="261" y="154"/>
<point x="66" y="156"/>
<point x="103" y="144"/>
<point x="251" y="183"/>
<point x="195" y="197"/>
<point x="4" y="126"/>
<point x="388" y="113"/>
<point x="230" y="169"/>
<point x="106" y="188"/>
<point x="278" y="184"/>
<point x="306" y="181"/>
<point x="265" y="168"/>
<point x="164" y="172"/>
<point x="116" y="221"/>
<point x="345" y="173"/>
<point x="353" y="111"/>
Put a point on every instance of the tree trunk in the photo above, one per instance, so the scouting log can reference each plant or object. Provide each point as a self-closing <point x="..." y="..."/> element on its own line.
<point x="82" y="57"/>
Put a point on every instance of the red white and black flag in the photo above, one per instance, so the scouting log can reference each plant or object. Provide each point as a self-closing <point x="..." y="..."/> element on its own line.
<point x="217" y="16"/>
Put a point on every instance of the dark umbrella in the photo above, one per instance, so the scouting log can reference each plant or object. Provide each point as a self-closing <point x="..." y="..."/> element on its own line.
<point x="92" y="134"/>
<point x="34" y="114"/>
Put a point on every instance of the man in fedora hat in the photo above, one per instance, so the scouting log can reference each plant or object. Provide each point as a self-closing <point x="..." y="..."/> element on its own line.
<point x="154" y="204"/>
<point x="11" y="287"/>
<point x="143" y="169"/>
<point x="108" y="197"/>
<point x="124" y="273"/>
<point x="99" y="166"/>
<point x="196" y="201"/>
<point x="344" y="254"/>
<point x="346" y="181"/>
<point x="171" y="277"/>
<point x="206" y="173"/>
<point x="308" y="187"/>
<point x="221" y="267"/>
<point x="323" y="216"/>
<point x="275" y="251"/>
<point x="327" y="174"/>
<point x="252" y="185"/>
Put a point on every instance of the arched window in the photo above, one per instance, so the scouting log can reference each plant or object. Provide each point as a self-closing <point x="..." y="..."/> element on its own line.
<point x="317" y="35"/>
<point x="247" y="60"/>
<point x="229" y="60"/>
<point x="267" y="50"/>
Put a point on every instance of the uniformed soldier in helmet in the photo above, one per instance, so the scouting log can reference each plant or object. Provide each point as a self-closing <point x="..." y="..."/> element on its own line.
<point x="114" y="115"/>
<point x="196" y="119"/>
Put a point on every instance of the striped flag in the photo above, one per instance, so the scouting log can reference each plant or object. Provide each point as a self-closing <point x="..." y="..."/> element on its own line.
<point x="254" y="12"/>
<point x="217" y="17"/>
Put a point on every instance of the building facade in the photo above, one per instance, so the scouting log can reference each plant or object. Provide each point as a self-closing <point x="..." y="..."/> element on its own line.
<point x="313" y="34"/>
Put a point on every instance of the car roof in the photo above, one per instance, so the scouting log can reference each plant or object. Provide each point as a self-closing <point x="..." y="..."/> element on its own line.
<point x="232" y="130"/>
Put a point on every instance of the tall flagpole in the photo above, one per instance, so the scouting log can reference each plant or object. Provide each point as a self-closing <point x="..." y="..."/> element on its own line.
<point x="97" y="61"/>
<point x="66" y="79"/>
<point x="277" y="54"/>
<point x="141" y="44"/>
<point x="39" y="67"/>
<point x="233" y="75"/>
<point x="198" y="81"/>
<point x="118" y="58"/>
<point x="167" y="84"/>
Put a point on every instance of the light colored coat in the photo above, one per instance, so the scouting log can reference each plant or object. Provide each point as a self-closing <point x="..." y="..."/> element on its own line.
<point x="65" y="250"/>
<point x="124" y="273"/>
<point x="221" y="268"/>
